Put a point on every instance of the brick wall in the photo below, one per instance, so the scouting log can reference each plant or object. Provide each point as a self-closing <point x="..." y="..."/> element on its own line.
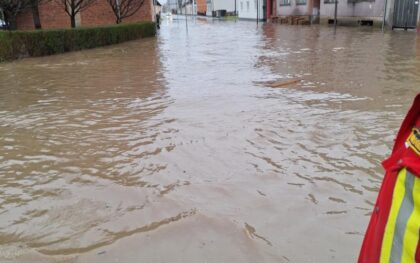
<point x="101" y="14"/>
<point x="201" y="6"/>
<point x="53" y="16"/>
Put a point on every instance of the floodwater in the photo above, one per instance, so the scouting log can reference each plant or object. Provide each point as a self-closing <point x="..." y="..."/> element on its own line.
<point x="176" y="149"/>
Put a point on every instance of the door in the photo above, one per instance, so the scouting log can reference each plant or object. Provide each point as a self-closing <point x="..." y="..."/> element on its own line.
<point x="264" y="9"/>
<point x="405" y="14"/>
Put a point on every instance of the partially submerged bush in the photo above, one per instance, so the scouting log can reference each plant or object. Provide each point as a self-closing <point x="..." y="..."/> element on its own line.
<point x="18" y="44"/>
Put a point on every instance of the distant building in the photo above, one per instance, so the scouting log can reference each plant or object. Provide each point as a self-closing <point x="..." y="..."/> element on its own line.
<point x="189" y="7"/>
<point x="157" y="7"/>
<point x="307" y="9"/>
<point x="181" y="6"/>
<point x="213" y="6"/>
<point x="201" y="7"/>
<point x="172" y="6"/>
<point x="52" y="15"/>
<point x="252" y="9"/>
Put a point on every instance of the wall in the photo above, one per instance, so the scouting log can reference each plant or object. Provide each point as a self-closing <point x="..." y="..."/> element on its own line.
<point x="188" y="9"/>
<point x="371" y="10"/>
<point x="292" y="9"/>
<point x="53" y="16"/>
<point x="201" y="6"/>
<point x="228" y="5"/>
<point x="390" y="14"/>
<point x="213" y="5"/>
<point x="244" y="13"/>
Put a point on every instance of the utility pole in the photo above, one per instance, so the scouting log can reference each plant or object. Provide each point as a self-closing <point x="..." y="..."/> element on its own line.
<point x="383" y="21"/>
<point x="335" y="16"/>
<point x="157" y="21"/>
<point x="186" y="18"/>
<point x="258" y="6"/>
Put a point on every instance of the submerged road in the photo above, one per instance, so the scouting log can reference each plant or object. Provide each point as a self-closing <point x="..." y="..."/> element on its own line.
<point x="184" y="149"/>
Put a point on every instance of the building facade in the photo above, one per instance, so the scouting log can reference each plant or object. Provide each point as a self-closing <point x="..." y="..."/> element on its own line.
<point x="252" y="9"/>
<point x="309" y="9"/>
<point x="201" y="7"/>
<point x="403" y="14"/>
<point x="172" y="6"/>
<point x="398" y="13"/>
<point x="52" y="16"/>
<point x="217" y="5"/>
<point x="362" y="12"/>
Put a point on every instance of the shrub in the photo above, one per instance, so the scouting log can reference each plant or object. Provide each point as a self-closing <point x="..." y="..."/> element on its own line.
<point x="19" y="44"/>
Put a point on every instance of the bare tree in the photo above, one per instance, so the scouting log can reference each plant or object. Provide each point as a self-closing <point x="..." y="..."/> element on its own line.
<point x="73" y="7"/>
<point x="11" y="8"/>
<point x="125" y="8"/>
<point x="34" y="5"/>
<point x="35" y="14"/>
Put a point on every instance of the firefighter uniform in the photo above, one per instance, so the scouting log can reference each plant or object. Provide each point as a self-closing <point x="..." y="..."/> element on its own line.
<point x="394" y="228"/>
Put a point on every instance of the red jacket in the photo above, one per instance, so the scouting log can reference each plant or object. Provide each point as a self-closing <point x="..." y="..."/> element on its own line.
<point x="401" y="157"/>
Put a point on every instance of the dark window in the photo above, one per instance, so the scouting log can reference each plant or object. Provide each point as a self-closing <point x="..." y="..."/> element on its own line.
<point x="358" y="1"/>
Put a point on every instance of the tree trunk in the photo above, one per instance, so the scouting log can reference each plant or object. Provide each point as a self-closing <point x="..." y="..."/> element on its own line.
<point x="12" y="23"/>
<point x="35" y="14"/>
<point x="73" y="21"/>
<point x="10" y="19"/>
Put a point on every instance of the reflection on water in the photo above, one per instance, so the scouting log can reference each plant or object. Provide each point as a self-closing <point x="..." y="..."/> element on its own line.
<point x="174" y="149"/>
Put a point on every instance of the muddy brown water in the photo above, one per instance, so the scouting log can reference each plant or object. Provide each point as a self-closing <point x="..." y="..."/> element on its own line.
<point x="176" y="149"/>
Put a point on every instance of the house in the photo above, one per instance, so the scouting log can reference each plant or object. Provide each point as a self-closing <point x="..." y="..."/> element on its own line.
<point x="308" y="10"/>
<point x="172" y="6"/>
<point x="398" y="13"/>
<point x="201" y="7"/>
<point x="189" y="7"/>
<point x="52" y="15"/>
<point x="157" y="7"/>
<point x="252" y="9"/>
<point x="363" y="12"/>
<point x="184" y="7"/>
<point x="219" y="7"/>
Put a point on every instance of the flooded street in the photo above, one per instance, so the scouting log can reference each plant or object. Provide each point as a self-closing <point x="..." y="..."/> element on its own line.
<point x="176" y="148"/>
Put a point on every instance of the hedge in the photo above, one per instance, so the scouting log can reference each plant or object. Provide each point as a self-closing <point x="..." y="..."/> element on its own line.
<point x="19" y="44"/>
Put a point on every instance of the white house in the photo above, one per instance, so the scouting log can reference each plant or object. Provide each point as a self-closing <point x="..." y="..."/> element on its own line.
<point x="251" y="9"/>
<point x="216" y="5"/>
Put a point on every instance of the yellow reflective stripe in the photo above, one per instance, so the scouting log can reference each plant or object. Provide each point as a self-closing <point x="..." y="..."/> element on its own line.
<point x="411" y="235"/>
<point x="397" y="199"/>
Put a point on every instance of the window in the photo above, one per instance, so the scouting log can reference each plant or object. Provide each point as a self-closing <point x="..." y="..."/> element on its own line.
<point x="300" y="2"/>
<point x="284" y="2"/>
<point x="255" y="4"/>
<point x="359" y="1"/>
<point x="329" y="1"/>
<point x="242" y="6"/>
<point x="247" y="6"/>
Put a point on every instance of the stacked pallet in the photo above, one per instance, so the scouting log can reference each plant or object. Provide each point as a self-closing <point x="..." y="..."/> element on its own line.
<point x="292" y="20"/>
